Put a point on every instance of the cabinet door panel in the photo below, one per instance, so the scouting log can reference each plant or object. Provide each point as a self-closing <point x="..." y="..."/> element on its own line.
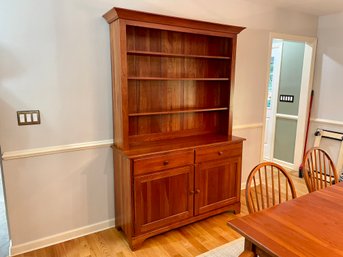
<point x="217" y="184"/>
<point x="162" y="198"/>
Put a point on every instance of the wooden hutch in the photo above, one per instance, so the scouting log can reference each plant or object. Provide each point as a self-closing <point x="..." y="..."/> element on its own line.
<point x="175" y="159"/>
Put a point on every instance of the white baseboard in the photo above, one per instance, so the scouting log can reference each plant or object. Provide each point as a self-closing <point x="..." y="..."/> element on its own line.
<point x="61" y="237"/>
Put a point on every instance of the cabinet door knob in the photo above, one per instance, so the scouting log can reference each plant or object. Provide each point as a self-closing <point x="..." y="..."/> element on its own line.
<point x="197" y="191"/>
<point x="191" y="192"/>
<point x="220" y="153"/>
<point x="166" y="162"/>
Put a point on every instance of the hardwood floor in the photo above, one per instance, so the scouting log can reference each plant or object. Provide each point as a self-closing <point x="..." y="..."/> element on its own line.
<point x="190" y="240"/>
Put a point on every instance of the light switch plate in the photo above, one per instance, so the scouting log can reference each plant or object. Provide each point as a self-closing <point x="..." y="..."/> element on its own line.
<point x="31" y="117"/>
<point x="287" y="98"/>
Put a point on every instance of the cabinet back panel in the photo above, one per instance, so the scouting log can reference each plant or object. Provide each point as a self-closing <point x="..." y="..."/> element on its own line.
<point x="155" y="40"/>
<point x="177" y="67"/>
<point x="186" y="123"/>
<point x="154" y="96"/>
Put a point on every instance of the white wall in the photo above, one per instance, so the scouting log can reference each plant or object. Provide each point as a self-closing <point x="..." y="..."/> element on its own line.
<point x="54" y="56"/>
<point x="57" y="193"/>
<point x="328" y="83"/>
<point x="329" y="69"/>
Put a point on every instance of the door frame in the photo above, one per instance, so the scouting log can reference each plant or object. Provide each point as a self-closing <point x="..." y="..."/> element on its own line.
<point x="304" y="101"/>
<point x="275" y="85"/>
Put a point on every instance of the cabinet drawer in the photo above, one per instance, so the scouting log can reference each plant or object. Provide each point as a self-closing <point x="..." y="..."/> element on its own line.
<point x="217" y="152"/>
<point x="164" y="161"/>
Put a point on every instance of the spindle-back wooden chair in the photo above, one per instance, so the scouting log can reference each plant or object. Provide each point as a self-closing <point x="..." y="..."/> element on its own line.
<point x="318" y="169"/>
<point x="268" y="184"/>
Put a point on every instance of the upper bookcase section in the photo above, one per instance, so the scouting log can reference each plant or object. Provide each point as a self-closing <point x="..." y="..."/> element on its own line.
<point x="119" y="13"/>
<point x="172" y="78"/>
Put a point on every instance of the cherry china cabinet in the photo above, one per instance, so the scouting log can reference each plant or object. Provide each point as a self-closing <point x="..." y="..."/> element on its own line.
<point x="175" y="159"/>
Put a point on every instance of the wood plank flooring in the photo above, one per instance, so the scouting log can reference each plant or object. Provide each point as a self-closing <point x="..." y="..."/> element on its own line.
<point x="190" y="240"/>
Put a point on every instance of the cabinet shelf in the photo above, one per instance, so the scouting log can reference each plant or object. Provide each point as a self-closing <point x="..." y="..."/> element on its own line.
<point x="178" y="79"/>
<point x="178" y="111"/>
<point x="149" y="53"/>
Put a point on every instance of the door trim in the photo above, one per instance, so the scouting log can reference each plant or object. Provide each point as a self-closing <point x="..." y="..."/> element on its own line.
<point x="306" y="87"/>
<point x="275" y="93"/>
<point x="304" y="103"/>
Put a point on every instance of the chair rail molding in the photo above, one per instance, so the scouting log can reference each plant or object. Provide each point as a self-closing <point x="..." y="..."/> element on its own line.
<point x="325" y="121"/>
<point x="33" y="152"/>
<point x="247" y="126"/>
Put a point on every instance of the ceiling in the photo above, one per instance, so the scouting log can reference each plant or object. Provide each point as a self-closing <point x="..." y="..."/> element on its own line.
<point x="314" y="7"/>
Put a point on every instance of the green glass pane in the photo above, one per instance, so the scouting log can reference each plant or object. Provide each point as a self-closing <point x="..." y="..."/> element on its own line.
<point x="290" y="76"/>
<point x="284" y="145"/>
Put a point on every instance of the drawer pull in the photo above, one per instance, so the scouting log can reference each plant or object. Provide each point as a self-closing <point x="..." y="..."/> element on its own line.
<point x="220" y="153"/>
<point x="165" y="162"/>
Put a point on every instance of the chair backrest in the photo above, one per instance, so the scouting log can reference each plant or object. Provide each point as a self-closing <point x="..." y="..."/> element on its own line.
<point x="318" y="169"/>
<point x="268" y="184"/>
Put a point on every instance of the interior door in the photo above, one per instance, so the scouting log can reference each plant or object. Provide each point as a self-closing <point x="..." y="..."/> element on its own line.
<point x="289" y="95"/>
<point x="285" y="123"/>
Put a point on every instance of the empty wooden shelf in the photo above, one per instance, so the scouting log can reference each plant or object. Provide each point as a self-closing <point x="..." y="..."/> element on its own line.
<point x="175" y="159"/>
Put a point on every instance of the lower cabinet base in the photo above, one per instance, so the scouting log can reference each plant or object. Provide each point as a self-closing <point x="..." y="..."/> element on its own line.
<point x="135" y="242"/>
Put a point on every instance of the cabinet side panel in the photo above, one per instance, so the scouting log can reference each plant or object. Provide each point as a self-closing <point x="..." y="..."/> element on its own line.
<point x="123" y="193"/>
<point x="232" y="84"/>
<point x="117" y="86"/>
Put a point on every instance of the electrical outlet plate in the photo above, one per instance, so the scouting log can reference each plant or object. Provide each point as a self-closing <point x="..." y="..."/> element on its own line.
<point x="31" y="117"/>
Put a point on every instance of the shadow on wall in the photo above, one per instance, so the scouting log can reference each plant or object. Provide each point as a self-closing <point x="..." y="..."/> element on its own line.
<point x="91" y="172"/>
<point x="17" y="93"/>
<point x="327" y="85"/>
<point x="59" y="193"/>
<point x="9" y="66"/>
<point x="328" y="74"/>
<point x="83" y="69"/>
<point x="4" y="230"/>
<point x="10" y="69"/>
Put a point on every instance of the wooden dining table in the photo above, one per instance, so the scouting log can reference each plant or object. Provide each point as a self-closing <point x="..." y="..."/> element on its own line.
<point x="310" y="225"/>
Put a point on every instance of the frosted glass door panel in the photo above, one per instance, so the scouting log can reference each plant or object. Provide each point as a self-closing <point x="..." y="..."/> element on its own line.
<point x="290" y="76"/>
<point x="284" y="144"/>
